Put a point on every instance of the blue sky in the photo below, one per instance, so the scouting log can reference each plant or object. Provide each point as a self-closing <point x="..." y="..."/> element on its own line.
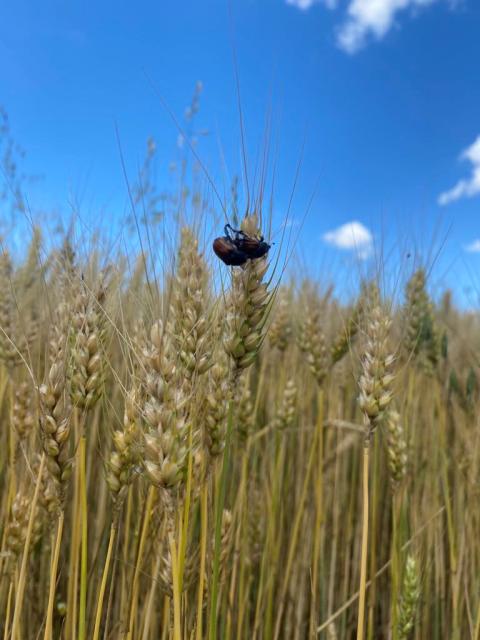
<point x="383" y="96"/>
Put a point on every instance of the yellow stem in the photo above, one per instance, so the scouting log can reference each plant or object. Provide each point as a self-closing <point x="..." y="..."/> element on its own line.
<point x="380" y="572"/>
<point x="203" y="556"/>
<point x="103" y="585"/>
<point x="177" y="629"/>
<point x="318" y="516"/>
<point x="82" y="620"/>
<point x="293" y="539"/>
<point x="237" y="556"/>
<point x="26" y="548"/>
<point x="476" y="633"/>
<point x="125" y="554"/>
<point x="7" y="613"/>
<point x="363" y="564"/>
<point x="151" y="597"/>
<point x="182" y="546"/>
<point x="53" y="577"/>
<point x="71" y="621"/>
<point x="138" y="564"/>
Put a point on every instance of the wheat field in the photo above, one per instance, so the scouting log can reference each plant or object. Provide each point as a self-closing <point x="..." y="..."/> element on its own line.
<point x="195" y="451"/>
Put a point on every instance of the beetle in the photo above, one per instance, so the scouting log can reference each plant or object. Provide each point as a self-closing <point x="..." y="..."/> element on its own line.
<point x="226" y="249"/>
<point x="236" y="247"/>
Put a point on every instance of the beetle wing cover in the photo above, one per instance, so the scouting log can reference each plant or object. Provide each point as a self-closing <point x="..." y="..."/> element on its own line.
<point x="228" y="252"/>
<point x="249" y="245"/>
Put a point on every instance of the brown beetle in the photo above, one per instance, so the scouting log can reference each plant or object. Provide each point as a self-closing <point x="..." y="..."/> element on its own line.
<point x="236" y="247"/>
<point x="227" y="251"/>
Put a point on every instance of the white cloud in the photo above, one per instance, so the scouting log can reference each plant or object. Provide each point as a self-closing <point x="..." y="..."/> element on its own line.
<point x="473" y="247"/>
<point x="371" y="17"/>
<point x="351" y="236"/>
<point x="469" y="187"/>
<point x="306" y="4"/>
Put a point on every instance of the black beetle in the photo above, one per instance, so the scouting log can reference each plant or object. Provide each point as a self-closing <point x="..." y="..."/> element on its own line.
<point x="236" y="247"/>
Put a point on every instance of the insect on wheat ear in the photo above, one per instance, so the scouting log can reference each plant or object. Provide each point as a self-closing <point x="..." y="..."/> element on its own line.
<point x="228" y="252"/>
<point x="236" y="247"/>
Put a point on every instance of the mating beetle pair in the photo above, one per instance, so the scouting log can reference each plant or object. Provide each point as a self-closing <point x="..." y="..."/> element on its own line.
<point x="236" y="247"/>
